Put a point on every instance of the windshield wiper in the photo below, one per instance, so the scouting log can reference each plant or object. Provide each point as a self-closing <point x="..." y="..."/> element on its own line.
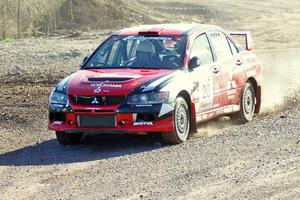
<point x="125" y="67"/>
<point x="143" y="67"/>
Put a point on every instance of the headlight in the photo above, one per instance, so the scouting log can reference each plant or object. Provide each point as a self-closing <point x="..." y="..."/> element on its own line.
<point x="58" y="98"/>
<point x="149" y="98"/>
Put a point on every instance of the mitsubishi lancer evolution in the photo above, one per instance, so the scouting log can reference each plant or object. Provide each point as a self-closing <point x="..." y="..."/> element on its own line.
<point x="161" y="78"/>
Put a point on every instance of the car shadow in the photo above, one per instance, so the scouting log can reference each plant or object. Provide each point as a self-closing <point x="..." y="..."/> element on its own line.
<point x="96" y="147"/>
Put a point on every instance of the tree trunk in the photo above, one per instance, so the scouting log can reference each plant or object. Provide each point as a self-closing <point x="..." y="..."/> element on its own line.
<point x="3" y="20"/>
<point x="71" y="11"/>
<point x="55" y="22"/>
<point x="19" y="28"/>
<point x="48" y="25"/>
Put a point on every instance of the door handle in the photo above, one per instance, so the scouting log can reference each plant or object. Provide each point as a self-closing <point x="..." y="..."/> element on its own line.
<point x="239" y="62"/>
<point x="216" y="69"/>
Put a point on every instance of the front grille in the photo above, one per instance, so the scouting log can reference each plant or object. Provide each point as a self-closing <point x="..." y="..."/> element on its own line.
<point x="97" y="100"/>
<point x="96" y="121"/>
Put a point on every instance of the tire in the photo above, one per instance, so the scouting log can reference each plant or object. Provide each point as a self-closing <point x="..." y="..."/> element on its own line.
<point x="181" y="121"/>
<point x="247" y="104"/>
<point x="68" y="138"/>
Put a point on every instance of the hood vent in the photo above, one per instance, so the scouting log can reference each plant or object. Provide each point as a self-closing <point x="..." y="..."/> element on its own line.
<point x="109" y="79"/>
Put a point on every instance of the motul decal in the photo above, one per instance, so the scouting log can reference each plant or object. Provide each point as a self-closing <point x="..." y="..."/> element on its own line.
<point x="143" y="124"/>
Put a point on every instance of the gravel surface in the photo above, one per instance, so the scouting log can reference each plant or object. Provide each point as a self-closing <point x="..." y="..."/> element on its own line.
<point x="257" y="160"/>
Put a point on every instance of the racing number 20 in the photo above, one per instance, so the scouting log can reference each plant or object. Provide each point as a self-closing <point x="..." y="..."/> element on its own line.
<point x="206" y="89"/>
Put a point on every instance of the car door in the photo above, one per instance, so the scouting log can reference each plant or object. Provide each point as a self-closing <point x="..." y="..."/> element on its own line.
<point x="205" y="95"/>
<point x="225" y="63"/>
<point x="236" y="76"/>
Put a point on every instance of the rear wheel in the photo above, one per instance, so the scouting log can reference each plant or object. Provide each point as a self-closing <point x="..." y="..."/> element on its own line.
<point x="68" y="138"/>
<point x="181" y="122"/>
<point x="247" y="104"/>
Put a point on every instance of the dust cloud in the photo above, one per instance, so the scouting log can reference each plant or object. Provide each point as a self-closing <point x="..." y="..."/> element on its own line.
<point x="281" y="71"/>
<point x="213" y="127"/>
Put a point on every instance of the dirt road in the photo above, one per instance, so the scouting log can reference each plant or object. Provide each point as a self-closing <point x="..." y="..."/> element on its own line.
<point x="255" y="161"/>
<point x="258" y="160"/>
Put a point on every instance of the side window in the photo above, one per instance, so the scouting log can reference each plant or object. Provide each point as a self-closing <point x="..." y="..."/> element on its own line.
<point x="233" y="48"/>
<point x="201" y="49"/>
<point x="221" y="46"/>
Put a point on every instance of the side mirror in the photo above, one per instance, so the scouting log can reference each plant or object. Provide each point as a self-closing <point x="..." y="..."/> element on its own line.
<point x="194" y="62"/>
<point x="84" y="60"/>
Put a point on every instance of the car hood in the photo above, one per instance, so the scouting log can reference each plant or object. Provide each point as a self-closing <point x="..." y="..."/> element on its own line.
<point x="115" y="82"/>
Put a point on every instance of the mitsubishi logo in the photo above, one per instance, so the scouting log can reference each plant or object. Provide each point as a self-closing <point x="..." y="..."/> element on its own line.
<point x="97" y="90"/>
<point x="95" y="101"/>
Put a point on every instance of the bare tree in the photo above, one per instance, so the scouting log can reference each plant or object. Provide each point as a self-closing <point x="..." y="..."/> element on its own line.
<point x="19" y="28"/>
<point x="55" y="21"/>
<point x="71" y="11"/>
<point x="3" y="19"/>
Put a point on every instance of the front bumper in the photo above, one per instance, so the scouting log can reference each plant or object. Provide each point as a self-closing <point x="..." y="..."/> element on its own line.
<point x="128" y="119"/>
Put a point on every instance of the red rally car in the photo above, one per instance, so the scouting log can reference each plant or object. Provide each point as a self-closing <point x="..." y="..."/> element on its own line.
<point x="158" y="78"/>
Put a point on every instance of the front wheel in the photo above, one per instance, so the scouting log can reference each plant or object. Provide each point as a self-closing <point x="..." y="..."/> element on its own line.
<point x="182" y="123"/>
<point x="247" y="104"/>
<point x="68" y="138"/>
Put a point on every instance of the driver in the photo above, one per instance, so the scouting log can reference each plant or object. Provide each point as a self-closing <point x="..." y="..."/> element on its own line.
<point x="145" y="54"/>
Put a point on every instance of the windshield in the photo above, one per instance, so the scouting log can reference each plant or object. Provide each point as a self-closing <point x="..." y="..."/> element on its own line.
<point x="141" y="52"/>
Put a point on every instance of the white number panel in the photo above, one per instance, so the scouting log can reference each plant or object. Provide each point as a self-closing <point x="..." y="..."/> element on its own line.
<point x="204" y="92"/>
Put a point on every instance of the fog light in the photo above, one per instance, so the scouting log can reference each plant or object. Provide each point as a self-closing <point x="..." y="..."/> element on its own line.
<point x="122" y="122"/>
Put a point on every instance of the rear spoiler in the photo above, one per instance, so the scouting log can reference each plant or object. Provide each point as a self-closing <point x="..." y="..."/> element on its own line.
<point x="243" y="36"/>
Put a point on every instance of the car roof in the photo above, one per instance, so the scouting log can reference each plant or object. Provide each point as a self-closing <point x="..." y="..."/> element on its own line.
<point x="166" y="29"/>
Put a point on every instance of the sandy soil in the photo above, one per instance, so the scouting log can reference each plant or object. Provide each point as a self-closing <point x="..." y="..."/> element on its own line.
<point x="273" y="23"/>
<point x="258" y="160"/>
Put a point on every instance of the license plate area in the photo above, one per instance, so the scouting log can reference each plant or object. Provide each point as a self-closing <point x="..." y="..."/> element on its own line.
<point x="96" y="121"/>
